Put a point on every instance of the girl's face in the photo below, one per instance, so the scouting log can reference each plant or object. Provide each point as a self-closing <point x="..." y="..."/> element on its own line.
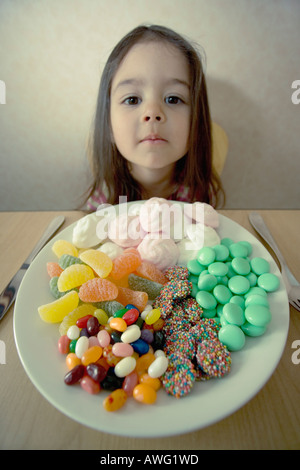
<point x="150" y="106"/>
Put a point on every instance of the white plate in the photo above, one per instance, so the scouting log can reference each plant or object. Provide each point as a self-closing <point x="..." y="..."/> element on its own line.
<point x="208" y="401"/>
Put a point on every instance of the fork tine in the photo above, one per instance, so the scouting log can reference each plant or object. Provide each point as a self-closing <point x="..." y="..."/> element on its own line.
<point x="295" y="305"/>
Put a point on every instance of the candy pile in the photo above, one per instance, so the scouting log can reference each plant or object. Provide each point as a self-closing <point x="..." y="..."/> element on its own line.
<point x="130" y="327"/>
<point x="233" y="290"/>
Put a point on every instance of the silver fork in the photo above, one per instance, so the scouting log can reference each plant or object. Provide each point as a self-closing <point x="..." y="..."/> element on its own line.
<point x="291" y="283"/>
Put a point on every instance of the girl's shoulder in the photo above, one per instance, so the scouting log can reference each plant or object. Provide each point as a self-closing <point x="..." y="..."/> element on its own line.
<point x="99" y="196"/>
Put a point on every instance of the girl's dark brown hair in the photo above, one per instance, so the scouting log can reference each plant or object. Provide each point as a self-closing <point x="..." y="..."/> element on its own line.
<point x="194" y="169"/>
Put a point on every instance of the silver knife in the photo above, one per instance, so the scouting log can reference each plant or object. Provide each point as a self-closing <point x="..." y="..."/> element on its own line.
<point x="8" y="296"/>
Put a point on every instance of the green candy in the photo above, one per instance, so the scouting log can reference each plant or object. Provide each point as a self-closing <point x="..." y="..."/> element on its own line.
<point x="238" y="284"/>
<point x="258" y="315"/>
<point x="206" y="255"/>
<point x="222" y="294"/>
<point x="255" y="299"/>
<point x="206" y="300"/>
<point x="194" y="267"/>
<point x="232" y="336"/>
<point x="234" y="314"/>
<point x="241" y="266"/>
<point x="259" y="265"/>
<point x="238" y="250"/>
<point x="268" y="281"/>
<point x="251" y="330"/>
<point x="207" y="282"/>
<point x="218" y="268"/>
<point x="222" y="252"/>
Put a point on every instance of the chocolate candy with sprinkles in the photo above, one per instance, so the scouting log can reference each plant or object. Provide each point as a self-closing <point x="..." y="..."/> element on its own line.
<point x="214" y="358"/>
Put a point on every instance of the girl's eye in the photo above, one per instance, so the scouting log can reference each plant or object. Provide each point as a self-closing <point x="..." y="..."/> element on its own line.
<point x="132" y="100"/>
<point x="173" y="100"/>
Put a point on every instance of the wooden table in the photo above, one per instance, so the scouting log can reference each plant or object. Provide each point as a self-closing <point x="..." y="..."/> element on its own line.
<point x="271" y="420"/>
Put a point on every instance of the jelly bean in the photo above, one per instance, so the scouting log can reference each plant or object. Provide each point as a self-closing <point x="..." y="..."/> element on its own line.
<point x="232" y="336"/>
<point x="122" y="349"/>
<point x="131" y="316"/>
<point x="72" y="346"/>
<point x="137" y="298"/>
<point x="101" y="315"/>
<point x="147" y="335"/>
<point x="120" y="313"/>
<point x="158" y="366"/>
<point x="111" y="381"/>
<point x="125" y="366"/>
<point x="111" y="359"/>
<point x="84" y="332"/>
<point x="82" y="345"/>
<point x="140" y="346"/>
<point x="130" y="381"/>
<point x="74" y="276"/>
<point x="206" y="255"/>
<point x="100" y="262"/>
<point x="92" y="326"/>
<point x="115" y="337"/>
<point x="72" y="360"/>
<point x="132" y="333"/>
<point x="63" y="344"/>
<point x="97" y="289"/>
<point x="82" y="321"/>
<point x="89" y="385"/>
<point x="159" y="340"/>
<point x="143" y="362"/>
<point x="92" y="354"/>
<point x="143" y="393"/>
<point x="115" y="400"/>
<point x="151" y="381"/>
<point x="61" y="247"/>
<point x="74" y="315"/>
<point x="268" y="281"/>
<point x="96" y="371"/>
<point x="74" y="375"/>
<point x="159" y="352"/>
<point x="118" y="324"/>
<point x="54" y="269"/>
<point x="158" y="324"/>
<point x="152" y="316"/>
<point x="258" y="315"/>
<point x="103" y="338"/>
<point x="54" y="312"/>
<point x="259" y="265"/>
<point x="93" y="341"/>
<point x="73" y="332"/>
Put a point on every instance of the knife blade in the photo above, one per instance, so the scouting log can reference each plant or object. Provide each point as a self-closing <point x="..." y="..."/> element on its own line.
<point x="8" y="295"/>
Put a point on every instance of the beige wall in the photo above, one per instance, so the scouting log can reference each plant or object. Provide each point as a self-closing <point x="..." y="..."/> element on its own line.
<point x="51" y="56"/>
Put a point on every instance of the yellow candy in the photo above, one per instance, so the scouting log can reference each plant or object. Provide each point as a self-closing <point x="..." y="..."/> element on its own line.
<point x="115" y="400"/>
<point x="100" y="262"/>
<point x="63" y="247"/>
<point x="152" y="316"/>
<point x="72" y="317"/>
<point x="54" y="312"/>
<point x="101" y="315"/>
<point x="74" y="276"/>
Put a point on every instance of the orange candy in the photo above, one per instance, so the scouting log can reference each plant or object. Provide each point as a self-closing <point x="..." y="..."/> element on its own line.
<point x="98" y="290"/>
<point x="72" y="360"/>
<point x="115" y="400"/>
<point x="149" y="271"/>
<point x="143" y="362"/>
<point x="137" y="298"/>
<point x="91" y="355"/>
<point x="151" y="381"/>
<point x="118" y="324"/>
<point x="144" y="394"/>
<point x="53" y="269"/>
<point x="125" y="264"/>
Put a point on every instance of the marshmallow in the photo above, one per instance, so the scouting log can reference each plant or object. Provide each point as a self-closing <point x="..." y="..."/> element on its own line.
<point x="162" y="252"/>
<point x="202" y="235"/>
<point x="125" y="230"/>
<point x="203" y="213"/>
<point x="111" y="249"/>
<point x="85" y="232"/>
<point x="187" y="251"/>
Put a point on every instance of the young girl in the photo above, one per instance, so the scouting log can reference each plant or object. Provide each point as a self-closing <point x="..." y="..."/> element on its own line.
<point x="152" y="128"/>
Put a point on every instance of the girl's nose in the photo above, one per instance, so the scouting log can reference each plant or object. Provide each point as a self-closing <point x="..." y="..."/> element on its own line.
<point x="153" y="113"/>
